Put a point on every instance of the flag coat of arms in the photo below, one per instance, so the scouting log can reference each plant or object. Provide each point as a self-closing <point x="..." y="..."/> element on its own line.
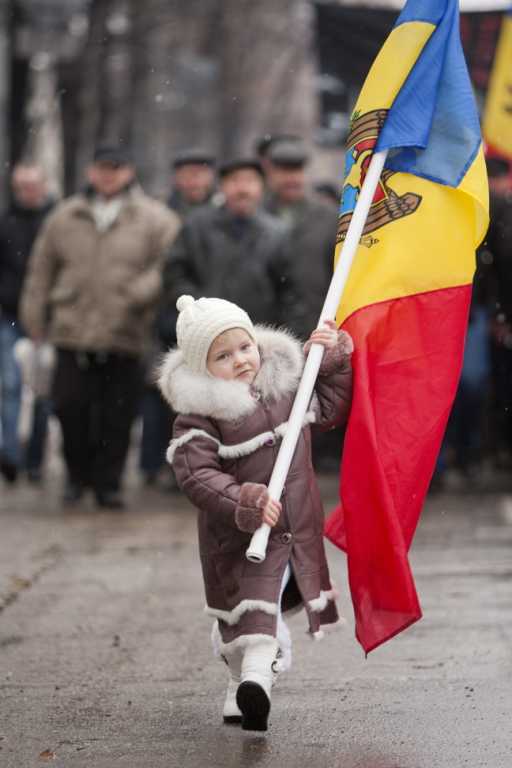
<point x="497" y="125"/>
<point x="406" y="301"/>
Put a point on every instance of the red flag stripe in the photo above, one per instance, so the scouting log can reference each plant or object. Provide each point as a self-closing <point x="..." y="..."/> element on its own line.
<point x="407" y="361"/>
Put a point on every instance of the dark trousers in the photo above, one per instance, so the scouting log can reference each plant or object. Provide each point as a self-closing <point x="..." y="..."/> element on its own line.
<point x="157" y="421"/>
<point x="41" y="411"/>
<point x="465" y="428"/>
<point x="95" y="398"/>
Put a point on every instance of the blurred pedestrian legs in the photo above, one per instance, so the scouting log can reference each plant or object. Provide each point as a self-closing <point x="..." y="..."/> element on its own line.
<point x="96" y="395"/>
<point x="10" y="402"/>
<point x="35" y="449"/>
<point x="157" y="421"/>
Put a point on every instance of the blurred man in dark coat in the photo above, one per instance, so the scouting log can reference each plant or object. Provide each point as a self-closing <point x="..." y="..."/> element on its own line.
<point x="193" y="186"/>
<point x="193" y="182"/>
<point x="235" y="252"/>
<point x="311" y="224"/>
<point x="498" y="247"/>
<point x="18" y="229"/>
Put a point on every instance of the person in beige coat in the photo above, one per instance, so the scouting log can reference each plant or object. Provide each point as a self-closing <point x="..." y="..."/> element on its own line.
<point x="232" y="386"/>
<point x="93" y="281"/>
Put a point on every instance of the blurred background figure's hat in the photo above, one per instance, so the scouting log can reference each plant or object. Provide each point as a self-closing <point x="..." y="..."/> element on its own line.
<point x="328" y="190"/>
<point x="263" y="144"/>
<point x="112" y="155"/>
<point x="193" y="156"/>
<point x="288" y="154"/>
<point x="238" y="164"/>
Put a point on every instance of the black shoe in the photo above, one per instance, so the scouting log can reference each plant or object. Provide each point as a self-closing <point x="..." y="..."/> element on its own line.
<point x="73" y="492"/>
<point x="109" y="500"/>
<point x="254" y="705"/>
<point x="150" y="479"/>
<point x="9" y="471"/>
<point x="34" y="476"/>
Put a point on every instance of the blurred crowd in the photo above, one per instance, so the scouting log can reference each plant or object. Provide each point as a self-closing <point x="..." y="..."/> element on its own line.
<point x="88" y="289"/>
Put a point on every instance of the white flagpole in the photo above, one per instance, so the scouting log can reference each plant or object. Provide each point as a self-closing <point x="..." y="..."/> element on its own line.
<point x="257" y="548"/>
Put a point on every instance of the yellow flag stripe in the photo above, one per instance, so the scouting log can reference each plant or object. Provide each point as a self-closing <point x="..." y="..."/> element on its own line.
<point x="497" y="125"/>
<point x="397" y="56"/>
<point x="432" y="249"/>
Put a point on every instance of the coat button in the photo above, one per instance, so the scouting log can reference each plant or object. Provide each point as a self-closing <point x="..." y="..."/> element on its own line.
<point x="286" y="537"/>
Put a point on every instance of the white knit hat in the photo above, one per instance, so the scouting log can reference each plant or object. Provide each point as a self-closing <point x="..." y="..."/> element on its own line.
<point x="200" y="322"/>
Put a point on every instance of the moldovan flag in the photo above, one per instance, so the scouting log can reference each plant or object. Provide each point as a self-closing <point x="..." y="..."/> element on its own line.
<point x="406" y="301"/>
<point x="497" y="124"/>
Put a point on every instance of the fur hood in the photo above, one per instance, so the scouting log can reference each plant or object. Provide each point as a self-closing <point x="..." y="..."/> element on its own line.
<point x="282" y="361"/>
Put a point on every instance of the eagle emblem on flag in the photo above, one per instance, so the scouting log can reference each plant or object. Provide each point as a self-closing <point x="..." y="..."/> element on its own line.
<point x="387" y="205"/>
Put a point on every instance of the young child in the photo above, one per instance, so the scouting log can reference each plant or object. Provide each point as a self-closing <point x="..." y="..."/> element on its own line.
<point x="232" y="386"/>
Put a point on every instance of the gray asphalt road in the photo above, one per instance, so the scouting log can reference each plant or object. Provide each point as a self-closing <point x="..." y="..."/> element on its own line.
<point x="105" y="660"/>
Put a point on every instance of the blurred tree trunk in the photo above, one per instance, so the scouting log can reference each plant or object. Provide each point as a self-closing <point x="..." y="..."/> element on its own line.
<point x="5" y="11"/>
<point x="174" y="84"/>
<point x="266" y="70"/>
<point x="163" y="75"/>
<point x="81" y="84"/>
<point x="43" y="144"/>
<point x="96" y="88"/>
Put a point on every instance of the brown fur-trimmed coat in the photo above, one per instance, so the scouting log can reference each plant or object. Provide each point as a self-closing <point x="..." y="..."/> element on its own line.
<point x="226" y="439"/>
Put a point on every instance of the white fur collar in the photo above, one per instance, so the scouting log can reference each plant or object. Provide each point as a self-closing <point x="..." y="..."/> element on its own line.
<point x="282" y="362"/>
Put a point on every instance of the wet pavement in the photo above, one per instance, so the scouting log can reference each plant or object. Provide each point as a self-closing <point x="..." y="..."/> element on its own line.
<point x="105" y="660"/>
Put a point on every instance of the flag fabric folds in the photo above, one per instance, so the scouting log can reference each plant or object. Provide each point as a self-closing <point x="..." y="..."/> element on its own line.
<point x="406" y="301"/>
<point x="497" y="123"/>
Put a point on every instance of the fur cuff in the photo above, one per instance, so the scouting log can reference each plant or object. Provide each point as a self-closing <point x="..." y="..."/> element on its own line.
<point x="253" y="497"/>
<point x="334" y="358"/>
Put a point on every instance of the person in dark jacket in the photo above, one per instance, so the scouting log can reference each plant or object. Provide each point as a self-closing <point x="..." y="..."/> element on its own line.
<point x="18" y="229"/>
<point x="193" y="186"/>
<point x="312" y="226"/>
<point x="236" y="252"/>
<point x="499" y="258"/>
<point x="193" y="181"/>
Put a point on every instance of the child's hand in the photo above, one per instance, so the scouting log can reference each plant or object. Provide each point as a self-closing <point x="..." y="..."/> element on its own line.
<point x="327" y="336"/>
<point x="271" y="512"/>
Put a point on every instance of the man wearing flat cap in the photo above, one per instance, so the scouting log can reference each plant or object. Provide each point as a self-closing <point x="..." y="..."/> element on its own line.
<point x="93" y="281"/>
<point x="263" y="145"/>
<point x="236" y="252"/>
<point x="193" y="180"/>
<point x="312" y="226"/>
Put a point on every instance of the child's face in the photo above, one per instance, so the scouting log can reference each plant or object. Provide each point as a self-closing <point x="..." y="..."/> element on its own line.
<point x="233" y="355"/>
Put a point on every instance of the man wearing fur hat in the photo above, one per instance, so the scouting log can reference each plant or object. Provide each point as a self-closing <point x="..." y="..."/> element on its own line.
<point x="93" y="281"/>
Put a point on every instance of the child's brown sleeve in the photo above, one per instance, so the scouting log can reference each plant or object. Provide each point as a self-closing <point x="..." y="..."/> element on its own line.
<point x="193" y="453"/>
<point x="333" y="386"/>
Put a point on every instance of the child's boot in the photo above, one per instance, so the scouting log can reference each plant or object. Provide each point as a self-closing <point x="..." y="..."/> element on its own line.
<point x="253" y="695"/>
<point x="231" y="713"/>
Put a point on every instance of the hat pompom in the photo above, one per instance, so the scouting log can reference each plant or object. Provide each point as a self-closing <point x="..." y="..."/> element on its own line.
<point x="184" y="301"/>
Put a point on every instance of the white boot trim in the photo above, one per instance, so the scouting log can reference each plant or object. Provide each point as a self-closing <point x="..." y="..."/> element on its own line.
<point x="319" y="603"/>
<point x="243" y="641"/>
<point x="327" y="628"/>
<point x="234" y="616"/>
